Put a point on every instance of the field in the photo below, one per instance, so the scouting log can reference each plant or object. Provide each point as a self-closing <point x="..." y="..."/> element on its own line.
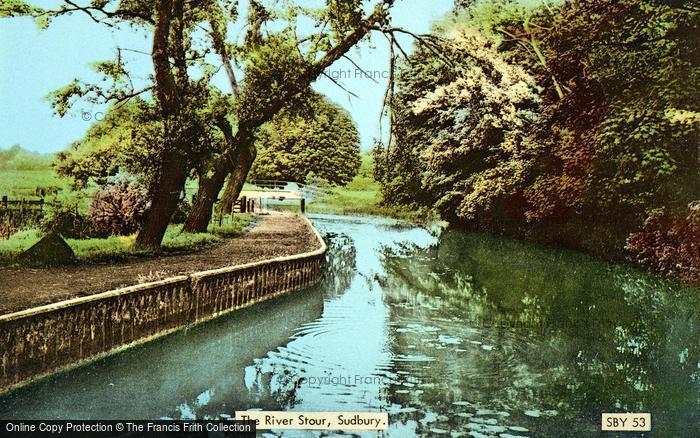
<point x="28" y="183"/>
<point x="18" y="184"/>
<point x="362" y="196"/>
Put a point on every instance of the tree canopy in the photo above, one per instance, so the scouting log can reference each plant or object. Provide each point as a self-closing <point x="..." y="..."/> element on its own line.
<point x="18" y="158"/>
<point x="569" y="122"/>
<point x="269" y="63"/>
<point x="321" y="140"/>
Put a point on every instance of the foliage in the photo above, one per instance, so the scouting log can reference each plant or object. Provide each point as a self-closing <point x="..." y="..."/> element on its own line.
<point x="67" y="217"/>
<point x="193" y="126"/>
<point x="623" y="139"/>
<point x="669" y="245"/>
<point x="567" y="122"/>
<point x="118" y="208"/>
<point x="13" y="221"/>
<point x="181" y="212"/>
<point x="233" y="227"/>
<point x="270" y="67"/>
<point x="8" y="227"/>
<point x="322" y="141"/>
<point x="128" y="139"/>
<point x="17" y="158"/>
<point x="466" y="130"/>
<point x="362" y="196"/>
<point x="114" y="248"/>
<point x="19" y="8"/>
<point x="121" y="247"/>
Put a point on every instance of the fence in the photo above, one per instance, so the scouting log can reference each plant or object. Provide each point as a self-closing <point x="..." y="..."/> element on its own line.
<point x="19" y="213"/>
<point x="42" y="340"/>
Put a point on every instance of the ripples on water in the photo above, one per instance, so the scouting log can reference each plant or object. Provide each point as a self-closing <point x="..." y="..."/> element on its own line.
<point x="456" y="335"/>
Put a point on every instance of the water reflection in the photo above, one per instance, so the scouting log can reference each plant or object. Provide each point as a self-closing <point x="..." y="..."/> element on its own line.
<point x="456" y="334"/>
<point x="544" y="338"/>
<point x="195" y="373"/>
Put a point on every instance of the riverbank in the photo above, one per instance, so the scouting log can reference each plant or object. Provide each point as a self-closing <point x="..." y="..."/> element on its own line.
<point x="274" y="235"/>
<point x="42" y="340"/>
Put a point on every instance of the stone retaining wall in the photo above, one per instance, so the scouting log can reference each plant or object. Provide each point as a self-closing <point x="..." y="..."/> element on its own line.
<point x="43" y="340"/>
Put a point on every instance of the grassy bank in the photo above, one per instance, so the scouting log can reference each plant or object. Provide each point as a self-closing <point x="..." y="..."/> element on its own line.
<point x="362" y="196"/>
<point x="115" y="248"/>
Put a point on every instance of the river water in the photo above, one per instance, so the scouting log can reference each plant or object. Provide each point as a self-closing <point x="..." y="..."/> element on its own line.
<point x="451" y="333"/>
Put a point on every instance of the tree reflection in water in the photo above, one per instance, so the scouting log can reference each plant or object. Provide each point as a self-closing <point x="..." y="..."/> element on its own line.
<point x="569" y="337"/>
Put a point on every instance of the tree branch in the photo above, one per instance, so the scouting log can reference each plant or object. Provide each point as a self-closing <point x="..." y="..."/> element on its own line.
<point x="360" y="68"/>
<point x="120" y="14"/>
<point x="340" y="85"/>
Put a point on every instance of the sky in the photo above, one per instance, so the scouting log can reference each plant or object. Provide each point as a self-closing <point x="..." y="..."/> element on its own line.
<point x="34" y="62"/>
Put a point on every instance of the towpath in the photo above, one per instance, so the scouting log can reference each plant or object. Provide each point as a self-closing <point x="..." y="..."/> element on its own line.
<point x="274" y="235"/>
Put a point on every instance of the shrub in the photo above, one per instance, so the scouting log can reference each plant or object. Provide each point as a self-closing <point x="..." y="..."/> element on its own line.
<point x="66" y="218"/>
<point x="118" y="208"/>
<point x="669" y="245"/>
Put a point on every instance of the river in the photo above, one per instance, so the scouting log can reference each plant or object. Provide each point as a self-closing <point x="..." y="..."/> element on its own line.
<point x="452" y="333"/>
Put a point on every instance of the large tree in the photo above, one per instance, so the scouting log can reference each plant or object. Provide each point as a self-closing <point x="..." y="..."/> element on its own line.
<point x="279" y="67"/>
<point x="130" y="139"/>
<point x="460" y="118"/>
<point x="179" y="95"/>
<point x="276" y="65"/>
<point x="319" y="139"/>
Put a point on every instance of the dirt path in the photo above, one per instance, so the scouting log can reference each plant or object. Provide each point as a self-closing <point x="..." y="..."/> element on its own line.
<point x="274" y="235"/>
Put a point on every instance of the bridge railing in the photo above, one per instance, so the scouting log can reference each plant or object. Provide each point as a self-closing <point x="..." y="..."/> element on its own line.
<point x="310" y="191"/>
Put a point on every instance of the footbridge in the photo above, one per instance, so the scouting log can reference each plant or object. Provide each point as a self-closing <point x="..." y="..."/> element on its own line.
<point x="277" y="190"/>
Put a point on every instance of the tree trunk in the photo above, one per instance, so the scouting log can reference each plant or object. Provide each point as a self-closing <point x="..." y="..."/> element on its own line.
<point x="237" y="178"/>
<point x="165" y="196"/>
<point x="198" y="219"/>
<point x="237" y="165"/>
<point x="170" y="80"/>
<point x="228" y="197"/>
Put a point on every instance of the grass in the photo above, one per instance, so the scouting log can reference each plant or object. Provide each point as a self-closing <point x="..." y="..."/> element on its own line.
<point x="24" y="183"/>
<point x="362" y="196"/>
<point x="11" y="248"/>
<point x="114" y="248"/>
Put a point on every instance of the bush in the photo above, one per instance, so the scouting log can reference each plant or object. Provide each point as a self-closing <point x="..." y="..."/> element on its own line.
<point x="118" y="208"/>
<point x="65" y="218"/>
<point x="669" y="245"/>
<point x="14" y="221"/>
